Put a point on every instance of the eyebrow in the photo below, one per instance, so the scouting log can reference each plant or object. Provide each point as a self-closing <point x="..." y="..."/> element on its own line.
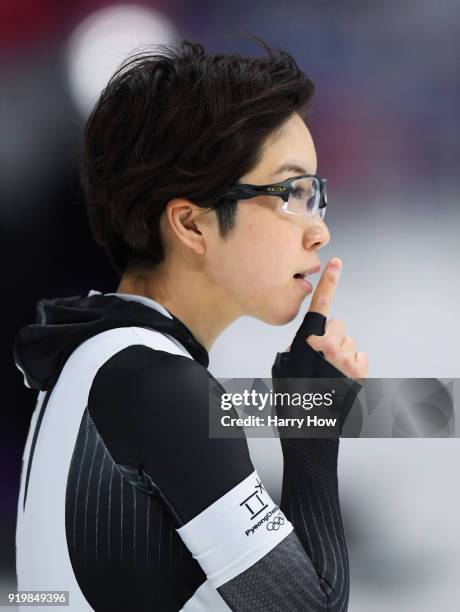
<point x="290" y="167"/>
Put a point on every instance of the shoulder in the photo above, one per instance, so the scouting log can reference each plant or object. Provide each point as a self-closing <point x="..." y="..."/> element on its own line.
<point x="138" y="371"/>
<point x="142" y="392"/>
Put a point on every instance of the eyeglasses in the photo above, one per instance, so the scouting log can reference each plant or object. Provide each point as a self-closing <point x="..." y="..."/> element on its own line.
<point x="304" y="195"/>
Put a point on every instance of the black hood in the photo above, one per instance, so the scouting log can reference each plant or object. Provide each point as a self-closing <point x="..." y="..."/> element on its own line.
<point x="41" y="350"/>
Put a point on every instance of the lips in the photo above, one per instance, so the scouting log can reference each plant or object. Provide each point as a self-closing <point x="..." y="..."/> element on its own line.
<point x="303" y="284"/>
<point x="305" y="273"/>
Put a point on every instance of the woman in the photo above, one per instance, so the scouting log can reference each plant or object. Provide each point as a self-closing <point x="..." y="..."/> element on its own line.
<point x="200" y="177"/>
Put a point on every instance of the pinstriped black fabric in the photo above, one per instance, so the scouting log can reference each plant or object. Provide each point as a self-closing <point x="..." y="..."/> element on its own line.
<point x="310" y="500"/>
<point x="123" y="546"/>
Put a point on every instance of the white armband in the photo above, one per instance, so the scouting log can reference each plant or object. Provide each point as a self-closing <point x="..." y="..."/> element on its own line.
<point x="235" y="531"/>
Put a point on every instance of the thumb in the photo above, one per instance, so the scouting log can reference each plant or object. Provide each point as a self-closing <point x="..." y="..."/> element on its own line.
<point x="314" y="341"/>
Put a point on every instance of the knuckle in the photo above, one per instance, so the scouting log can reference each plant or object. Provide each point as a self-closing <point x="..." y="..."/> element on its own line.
<point x="329" y="346"/>
<point x="337" y="326"/>
<point x="348" y="360"/>
<point x="327" y="341"/>
<point x="352" y="370"/>
<point x="323" y="300"/>
<point x="347" y="342"/>
<point x="362" y="365"/>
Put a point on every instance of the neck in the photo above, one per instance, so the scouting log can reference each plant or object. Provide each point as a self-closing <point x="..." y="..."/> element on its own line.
<point x="188" y="296"/>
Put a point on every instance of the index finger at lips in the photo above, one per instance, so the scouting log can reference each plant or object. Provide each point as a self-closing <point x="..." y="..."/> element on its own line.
<point x="325" y="289"/>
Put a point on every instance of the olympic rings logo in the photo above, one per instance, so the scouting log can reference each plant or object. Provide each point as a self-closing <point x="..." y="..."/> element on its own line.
<point x="276" y="523"/>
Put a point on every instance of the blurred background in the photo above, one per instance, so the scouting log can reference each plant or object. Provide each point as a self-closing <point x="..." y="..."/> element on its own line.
<point x="386" y="124"/>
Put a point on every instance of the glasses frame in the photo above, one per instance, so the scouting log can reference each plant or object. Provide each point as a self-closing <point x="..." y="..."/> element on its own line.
<point x="283" y="190"/>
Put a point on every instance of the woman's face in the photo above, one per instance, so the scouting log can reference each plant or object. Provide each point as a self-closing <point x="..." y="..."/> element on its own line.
<point x="254" y="267"/>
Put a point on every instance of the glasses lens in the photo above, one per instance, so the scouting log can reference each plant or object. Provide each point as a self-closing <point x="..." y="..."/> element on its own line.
<point x="304" y="196"/>
<point x="323" y="199"/>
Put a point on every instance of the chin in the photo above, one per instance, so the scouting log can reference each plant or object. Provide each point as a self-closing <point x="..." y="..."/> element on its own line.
<point x="280" y="316"/>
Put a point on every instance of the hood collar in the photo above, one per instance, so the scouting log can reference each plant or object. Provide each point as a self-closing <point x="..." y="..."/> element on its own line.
<point x="41" y="349"/>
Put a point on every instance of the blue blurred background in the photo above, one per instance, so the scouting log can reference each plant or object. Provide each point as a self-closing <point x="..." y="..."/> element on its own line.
<point x="385" y="120"/>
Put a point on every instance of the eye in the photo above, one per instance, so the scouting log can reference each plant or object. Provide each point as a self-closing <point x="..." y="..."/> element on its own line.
<point x="299" y="192"/>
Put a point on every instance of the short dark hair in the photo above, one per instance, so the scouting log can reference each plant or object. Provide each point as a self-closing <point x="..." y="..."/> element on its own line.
<point x="179" y="122"/>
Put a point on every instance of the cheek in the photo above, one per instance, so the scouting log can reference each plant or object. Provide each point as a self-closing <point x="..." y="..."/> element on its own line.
<point x="259" y="259"/>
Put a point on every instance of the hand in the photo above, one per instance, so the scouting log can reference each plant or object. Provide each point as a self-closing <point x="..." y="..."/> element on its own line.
<point x="338" y="348"/>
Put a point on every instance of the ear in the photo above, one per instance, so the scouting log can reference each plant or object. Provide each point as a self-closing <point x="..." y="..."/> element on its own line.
<point x="188" y="222"/>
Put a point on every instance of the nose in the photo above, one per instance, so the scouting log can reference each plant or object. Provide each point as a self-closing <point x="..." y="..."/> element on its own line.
<point x="316" y="233"/>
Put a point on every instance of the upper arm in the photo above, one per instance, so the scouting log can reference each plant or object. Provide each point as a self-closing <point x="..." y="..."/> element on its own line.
<point x="151" y="409"/>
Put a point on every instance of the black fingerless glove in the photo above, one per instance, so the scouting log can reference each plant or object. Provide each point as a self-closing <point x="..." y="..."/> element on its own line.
<point x="303" y="362"/>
